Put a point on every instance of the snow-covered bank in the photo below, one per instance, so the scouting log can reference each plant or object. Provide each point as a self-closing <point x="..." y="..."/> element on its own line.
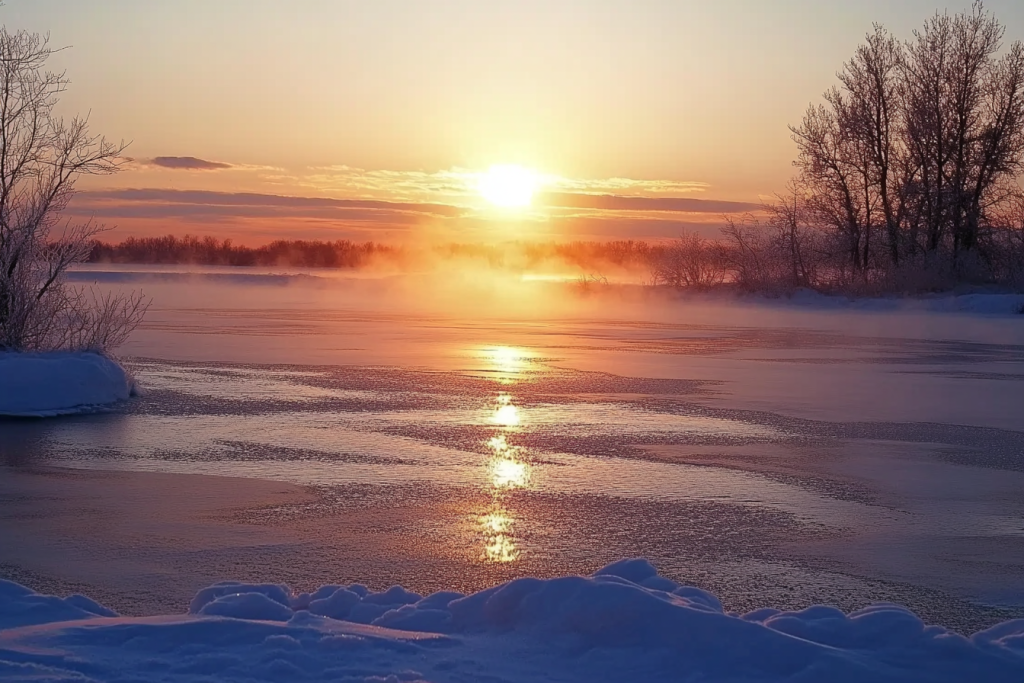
<point x="980" y="303"/>
<point x="42" y="384"/>
<point x="625" y="623"/>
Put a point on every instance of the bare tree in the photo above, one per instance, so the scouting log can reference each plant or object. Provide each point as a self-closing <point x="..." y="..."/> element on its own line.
<point x="871" y="81"/>
<point x="919" y="144"/>
<point x="965" y="122"/>
<point x="747" y="253"/>
<point x="690" y="262"/>
<point x="41" y="157"/>
<point x="787" y="223"/>
<point x="1006" y="240"/>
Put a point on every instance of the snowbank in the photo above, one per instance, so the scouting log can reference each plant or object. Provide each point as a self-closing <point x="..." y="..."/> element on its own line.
<point x="42" y="384"/>
<point x="981" y="303"/>
<point x="625" y="623"/>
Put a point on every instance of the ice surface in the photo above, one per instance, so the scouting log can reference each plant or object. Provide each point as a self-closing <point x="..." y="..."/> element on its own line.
<point x="624" y="623"/>
<point x="41" y="384"/>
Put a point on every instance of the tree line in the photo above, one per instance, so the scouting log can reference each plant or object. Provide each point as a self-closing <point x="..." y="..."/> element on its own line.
<point x="211" y="251"/>
<point x="628" y="255"/>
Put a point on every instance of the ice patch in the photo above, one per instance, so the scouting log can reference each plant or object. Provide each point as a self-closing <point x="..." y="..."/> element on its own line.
<point x="59" y="383"/>
<point x="624" y="623"/>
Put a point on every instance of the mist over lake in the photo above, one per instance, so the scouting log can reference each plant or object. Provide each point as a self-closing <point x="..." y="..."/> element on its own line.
<point x="790" y="450"/>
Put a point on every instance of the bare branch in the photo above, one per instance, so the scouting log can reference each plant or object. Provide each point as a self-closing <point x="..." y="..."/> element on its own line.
<point x="41" y="158"/>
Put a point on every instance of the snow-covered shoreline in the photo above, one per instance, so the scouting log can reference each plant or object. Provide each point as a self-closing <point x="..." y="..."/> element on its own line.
<point x="59" y="383"/>
<point x="976" y="303"/>
<point x="624" y="623"/>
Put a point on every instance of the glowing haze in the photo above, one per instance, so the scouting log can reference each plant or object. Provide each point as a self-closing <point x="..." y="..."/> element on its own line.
<point x="399" y="119"/>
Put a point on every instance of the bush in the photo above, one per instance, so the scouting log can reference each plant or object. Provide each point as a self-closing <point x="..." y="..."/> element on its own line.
<point x="690" y="262"/>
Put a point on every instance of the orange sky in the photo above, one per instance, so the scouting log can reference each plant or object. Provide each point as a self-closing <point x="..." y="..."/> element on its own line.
<point x="328" y="119"/>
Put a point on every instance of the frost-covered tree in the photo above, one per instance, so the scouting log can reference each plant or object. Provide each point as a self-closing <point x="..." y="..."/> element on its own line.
<point x="918" y="149"/>
<point x="690" y="262"/>
<point x="41" y="157"/>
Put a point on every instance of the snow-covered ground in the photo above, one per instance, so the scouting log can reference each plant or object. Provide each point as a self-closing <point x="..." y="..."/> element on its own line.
<point x="59" y="383"/>
<point x="624" y="623"/>
<point x="977" y="303"/>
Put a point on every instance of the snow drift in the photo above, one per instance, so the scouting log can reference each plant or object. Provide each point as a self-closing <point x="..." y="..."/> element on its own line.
<point x="41" y="384"/>
<point x="624" y="623"/>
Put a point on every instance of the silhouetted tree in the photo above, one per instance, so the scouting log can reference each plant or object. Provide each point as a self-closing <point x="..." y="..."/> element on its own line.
<point x="691" y="262"/>
<point x="918" y="146"/>
<point x="41" y="157"/>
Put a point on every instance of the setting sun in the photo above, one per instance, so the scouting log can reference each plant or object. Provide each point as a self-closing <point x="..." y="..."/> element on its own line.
<point x="508" y="187"/>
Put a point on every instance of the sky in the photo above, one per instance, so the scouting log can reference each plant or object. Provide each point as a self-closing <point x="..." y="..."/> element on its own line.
<point x="373" y="119"/>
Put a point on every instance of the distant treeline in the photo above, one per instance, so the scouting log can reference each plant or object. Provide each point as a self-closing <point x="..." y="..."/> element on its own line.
<point x="590" y="257"/>
<point x="209" y="251"/>
<point x="750" y="255"/>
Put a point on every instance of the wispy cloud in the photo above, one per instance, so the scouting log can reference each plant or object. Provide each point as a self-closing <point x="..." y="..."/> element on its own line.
<point x="196" y="164"/>
<point x="448" y="185"/>
<point x="630" y="187"/>
<point x="460" y="184"/>
<point x="204" y="205"/>
<point x="185" y="164"/>
<point x="607" y="202"/>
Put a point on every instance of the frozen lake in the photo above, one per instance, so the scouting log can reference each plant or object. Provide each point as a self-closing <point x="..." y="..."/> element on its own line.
<point x="453" y="435"/>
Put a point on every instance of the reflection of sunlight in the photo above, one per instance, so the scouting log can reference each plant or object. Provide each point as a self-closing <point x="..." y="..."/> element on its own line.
<point x="501" y="549"/>
<point x="507" y="362"/>
<point x="509" y="474"/>
<point x="507" y="470"/>
<point x="496" y="522"/>
<point x="506" y="414"/>
<point x="500" y="545"/>
<point x="500" y="444"/>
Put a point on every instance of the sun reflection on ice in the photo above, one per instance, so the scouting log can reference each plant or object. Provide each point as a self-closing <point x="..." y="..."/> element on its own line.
<point x="506" y="414"/>
<point x="508" y="471"/>
<point x="509" y="474"/>
<point x="500" y="545"/>
<point x="501" y="548"/>
<point x="505" y="363"/>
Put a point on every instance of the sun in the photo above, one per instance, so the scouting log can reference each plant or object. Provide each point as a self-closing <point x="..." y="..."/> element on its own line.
<point x="508" y="187"/>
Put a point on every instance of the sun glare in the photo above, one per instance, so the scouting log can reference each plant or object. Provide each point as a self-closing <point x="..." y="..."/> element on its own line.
<point x="505" y="414"/>
<point x="506" y="363"/>
<point x="508" y="187"/>
<point x="509" y="474"/>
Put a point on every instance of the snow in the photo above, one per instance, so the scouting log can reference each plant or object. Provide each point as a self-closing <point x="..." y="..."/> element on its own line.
<point x="58" y="383"/>
<point x="624" y="623"/>
<point x="999" y="304"/>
